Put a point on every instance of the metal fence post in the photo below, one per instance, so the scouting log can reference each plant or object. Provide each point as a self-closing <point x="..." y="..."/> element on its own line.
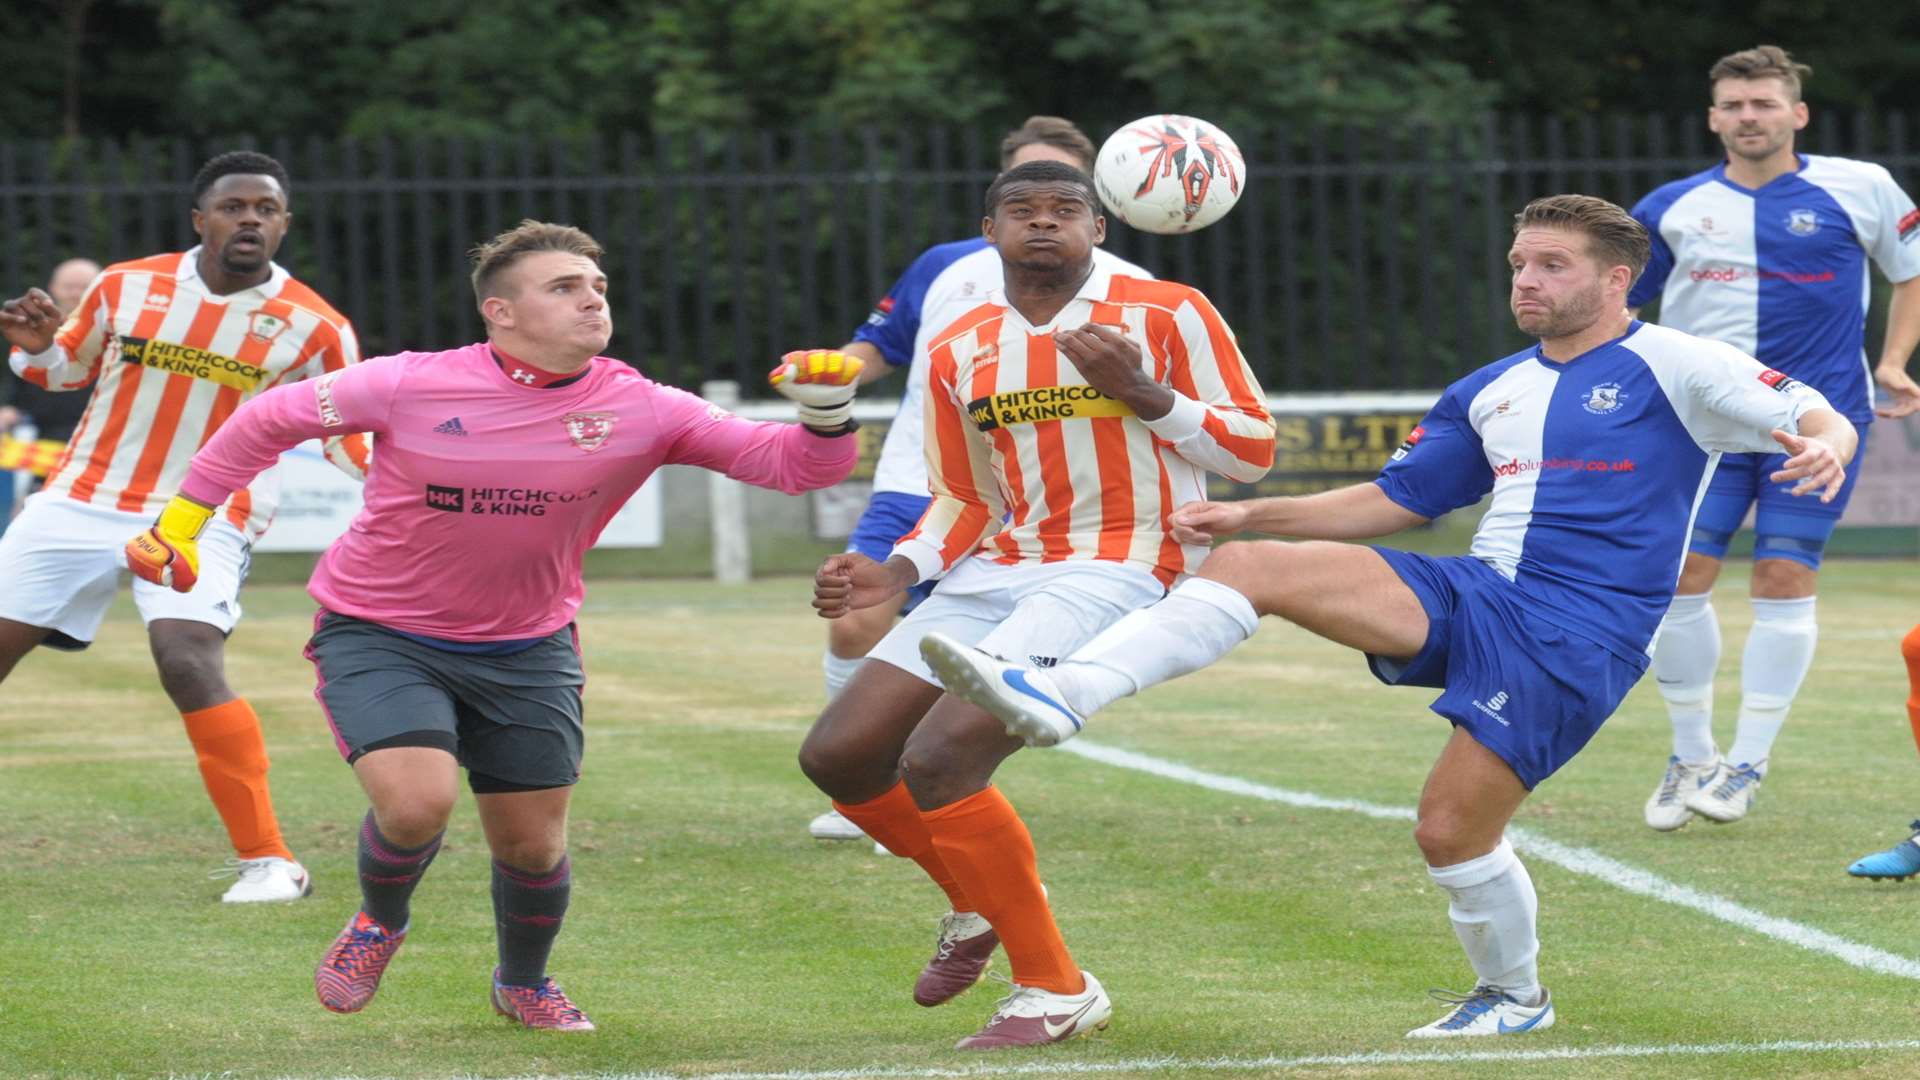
<point x="727" y="504"/>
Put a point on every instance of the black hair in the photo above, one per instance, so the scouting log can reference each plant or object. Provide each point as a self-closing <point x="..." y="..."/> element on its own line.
<point x="240" y="163"/>
<point x="1040" y="172"/>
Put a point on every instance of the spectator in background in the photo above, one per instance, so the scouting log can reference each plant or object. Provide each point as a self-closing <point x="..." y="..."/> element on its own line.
<point x="52" y="417"/>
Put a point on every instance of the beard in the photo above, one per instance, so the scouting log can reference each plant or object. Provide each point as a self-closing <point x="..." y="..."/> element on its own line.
<point x="1770" y="145"/>
<point x="1568" y="317"/>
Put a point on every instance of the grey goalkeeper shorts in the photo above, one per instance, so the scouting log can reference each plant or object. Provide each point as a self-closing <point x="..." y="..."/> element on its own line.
<point x="514" y="721"/>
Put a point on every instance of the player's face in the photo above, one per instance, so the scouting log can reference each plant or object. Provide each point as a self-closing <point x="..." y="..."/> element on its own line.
<point x="69" y="283"/>
<point x="1558" y="288"/>
<point x="1756" y="118"/>
<point x="242" y="219"/>
<point x="559" y="300"/>
<point x="1045" y="225"/>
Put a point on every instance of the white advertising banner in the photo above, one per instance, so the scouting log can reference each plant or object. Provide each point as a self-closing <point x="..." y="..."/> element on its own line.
<point x="317" y="501"/>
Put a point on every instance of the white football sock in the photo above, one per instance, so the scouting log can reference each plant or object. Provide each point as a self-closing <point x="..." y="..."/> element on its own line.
<point x="837" y="671"/>
<point x="1778" y="654"/>
<point x="1198" y="622"/>
<point x="1493" y="910"/>
<point x="1684" y="661"/>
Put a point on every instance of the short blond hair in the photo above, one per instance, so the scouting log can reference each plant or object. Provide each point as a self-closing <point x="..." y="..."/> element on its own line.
<point x="1613" y="236"/>
<point x="1760" y="62"/>
<point x="494" y="257"/>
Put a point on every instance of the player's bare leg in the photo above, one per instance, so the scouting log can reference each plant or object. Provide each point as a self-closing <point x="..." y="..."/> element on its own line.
<point x="1685" y="659"/>
<point x="17" y="639"/>
<point x="849" y="639"/>
<point x="853" y="754"/>
<point x="191" y="659"/>
<point x="411" y="790"/>
<point x="1469" y="798"/>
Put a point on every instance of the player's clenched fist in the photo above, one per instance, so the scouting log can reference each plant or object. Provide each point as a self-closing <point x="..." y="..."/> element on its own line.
<point x="169" y="553"/>
<point x="821" y="382"/>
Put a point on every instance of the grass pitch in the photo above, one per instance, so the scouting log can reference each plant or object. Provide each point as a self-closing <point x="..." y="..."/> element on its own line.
<point x="1237" y="935"/>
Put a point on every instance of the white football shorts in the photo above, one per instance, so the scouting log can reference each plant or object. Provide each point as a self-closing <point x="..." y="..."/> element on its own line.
<point x="1026" y="613"/>
<point x="61" y="560"/>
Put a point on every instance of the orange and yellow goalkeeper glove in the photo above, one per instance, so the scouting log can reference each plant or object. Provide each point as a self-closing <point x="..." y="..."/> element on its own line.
<point x="821" y="382"/>
<point x="169" y="553"/>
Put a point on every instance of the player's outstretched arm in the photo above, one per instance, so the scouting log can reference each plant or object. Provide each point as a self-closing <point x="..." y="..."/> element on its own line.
<point x="1356" y="512"/>
<point x="821" y="382"/>
<point x="1818" y="454"/>
<point x="853" y="581"/>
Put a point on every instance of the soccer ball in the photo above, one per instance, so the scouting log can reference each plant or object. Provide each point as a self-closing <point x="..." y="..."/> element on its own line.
<point x="1169" y="174"/>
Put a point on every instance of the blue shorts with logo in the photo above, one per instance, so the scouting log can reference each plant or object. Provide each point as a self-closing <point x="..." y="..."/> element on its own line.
<point x="1785" y="526"/>
<point x="889" y="516"/>
<point x="1524" y="688"/>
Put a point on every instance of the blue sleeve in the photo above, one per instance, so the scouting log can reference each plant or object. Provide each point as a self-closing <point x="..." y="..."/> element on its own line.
<point x="1653" y="280"/>
<point x="895" y="320"/>
<point x="1442" y="466"/>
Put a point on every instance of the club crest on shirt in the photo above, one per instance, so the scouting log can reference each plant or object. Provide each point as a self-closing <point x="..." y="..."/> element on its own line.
<point x="1803" y="222"/>
<point x="588" y="430"/>
<point x="264" y="326"/>
<point x="1603" y="399"/>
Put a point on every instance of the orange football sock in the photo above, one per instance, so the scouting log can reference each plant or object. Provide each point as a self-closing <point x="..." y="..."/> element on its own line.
<point x="986" y="845"/>
<point x="893" y="820"/>
<point x="1910" y="651"/>
<point x="233" y="765"/>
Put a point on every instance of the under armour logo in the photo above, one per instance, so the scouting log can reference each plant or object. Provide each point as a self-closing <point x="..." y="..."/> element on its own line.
<point x="523" y="376"/>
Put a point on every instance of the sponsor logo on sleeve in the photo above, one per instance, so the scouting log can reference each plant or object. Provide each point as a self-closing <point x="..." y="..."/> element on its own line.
<point x="1909" y="225"/>
<point x="1780" y="381"/>
<point x="323" y="395"/>
<point x="1406" y="447"/>
<point x="878" y="316"/>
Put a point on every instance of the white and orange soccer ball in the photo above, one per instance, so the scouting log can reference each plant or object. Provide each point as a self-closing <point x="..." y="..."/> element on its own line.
<point x="1169" y="174"/>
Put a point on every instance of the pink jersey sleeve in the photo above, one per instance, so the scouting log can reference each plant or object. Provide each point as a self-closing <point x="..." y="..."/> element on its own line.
<point x="353" y="399"/>
<point x="785" y="457"/>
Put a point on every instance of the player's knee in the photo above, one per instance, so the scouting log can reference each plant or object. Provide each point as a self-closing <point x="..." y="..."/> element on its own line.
<point x="531" y="855"/>
<point x="415" y="819"/>
<point x="1444" y="838"/>
<point x="193" y="672"/>
<point x="839" y="762"/>
<point x="1782" y="572"/>
<point x="1249" y="566"/>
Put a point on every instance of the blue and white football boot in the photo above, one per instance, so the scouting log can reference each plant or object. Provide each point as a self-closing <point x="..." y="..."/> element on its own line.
<point x="1022" y="698"/>
<point x="1899" y="862"/>
<point x="1486" y="1011"/>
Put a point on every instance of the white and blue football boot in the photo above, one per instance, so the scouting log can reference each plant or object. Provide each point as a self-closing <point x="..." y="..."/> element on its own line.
<point x="1486" y="1011"/>
<point x="1022" y="698"/>
<point x="1899" y="862"/>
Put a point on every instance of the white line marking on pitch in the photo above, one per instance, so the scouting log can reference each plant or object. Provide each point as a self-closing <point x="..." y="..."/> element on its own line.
<point x="1577" y="859"/>
<point x="1310" y="1061"/>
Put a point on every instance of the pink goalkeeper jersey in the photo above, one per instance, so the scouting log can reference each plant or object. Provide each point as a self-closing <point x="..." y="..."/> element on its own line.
<point x="483" y="494"/>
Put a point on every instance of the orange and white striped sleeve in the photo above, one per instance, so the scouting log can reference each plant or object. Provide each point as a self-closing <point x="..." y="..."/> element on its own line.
<point x="968" y="505"/>
<point x="1219" y="420"/>
<point x="79" y="344"/>
<point x="350" y="453"/>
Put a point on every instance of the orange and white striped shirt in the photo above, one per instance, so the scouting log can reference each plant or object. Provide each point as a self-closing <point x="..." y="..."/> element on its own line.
<point x="171" y="362"/>
<point x="1027" y="463"/>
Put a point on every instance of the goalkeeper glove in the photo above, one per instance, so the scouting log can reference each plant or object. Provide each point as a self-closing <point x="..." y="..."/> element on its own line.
<point x="169" y="553"/>
<point x="821" y="382"/>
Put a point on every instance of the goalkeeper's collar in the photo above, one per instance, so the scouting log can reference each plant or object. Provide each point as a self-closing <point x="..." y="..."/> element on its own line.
<point x="538" y="378"/>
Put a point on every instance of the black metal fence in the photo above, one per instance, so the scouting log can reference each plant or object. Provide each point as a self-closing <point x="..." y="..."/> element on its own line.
<point x="1356" y="260"/>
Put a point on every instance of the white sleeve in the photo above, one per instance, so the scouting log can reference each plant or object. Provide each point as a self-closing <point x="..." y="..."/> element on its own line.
<point x="1731" y="402"/>
<point x="1894" y="244"/>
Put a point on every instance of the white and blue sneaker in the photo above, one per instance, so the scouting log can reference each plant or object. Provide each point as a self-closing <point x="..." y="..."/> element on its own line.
<point x="1899" y="862"/>
<point x="1486" y="1011"/>
<point x="1728" y="794"/>
<point x="1666" y="808"/>
<point x="1023" y="698"/>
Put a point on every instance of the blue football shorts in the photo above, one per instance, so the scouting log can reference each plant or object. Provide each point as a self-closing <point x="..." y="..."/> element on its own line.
<point x="889" y="516"/>
<point x="1527" y="689"/>
<point x="1784" y="526"/>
